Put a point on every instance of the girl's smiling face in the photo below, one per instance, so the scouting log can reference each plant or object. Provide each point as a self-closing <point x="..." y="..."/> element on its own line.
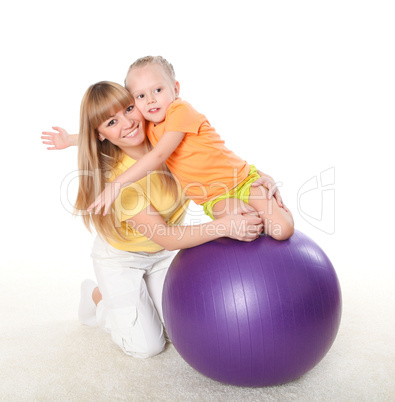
<point x="125" y="128"/>
<point x="153" y="91"/>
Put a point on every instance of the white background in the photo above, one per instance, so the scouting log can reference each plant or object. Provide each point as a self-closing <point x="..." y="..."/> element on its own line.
<point x="295" y="87"/>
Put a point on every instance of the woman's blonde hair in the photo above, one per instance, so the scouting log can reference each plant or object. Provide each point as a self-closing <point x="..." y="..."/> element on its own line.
<point x="143" y="61"/>
<point x="97" y="159"/>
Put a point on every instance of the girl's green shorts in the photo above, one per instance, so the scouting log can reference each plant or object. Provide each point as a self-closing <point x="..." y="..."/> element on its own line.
<point x="241" y="191"/>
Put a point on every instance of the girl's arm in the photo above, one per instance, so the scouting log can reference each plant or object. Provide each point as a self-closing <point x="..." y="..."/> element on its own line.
<point x="150" y="223"/>
<point x="148" y="163"/>
<point x="60" y="140"/>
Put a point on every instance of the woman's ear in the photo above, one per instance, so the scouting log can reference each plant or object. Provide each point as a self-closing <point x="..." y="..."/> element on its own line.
<point x="101" y="138"/>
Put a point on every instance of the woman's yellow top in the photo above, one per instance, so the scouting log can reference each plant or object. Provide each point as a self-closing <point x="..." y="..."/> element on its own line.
<point x="138" y="196"/>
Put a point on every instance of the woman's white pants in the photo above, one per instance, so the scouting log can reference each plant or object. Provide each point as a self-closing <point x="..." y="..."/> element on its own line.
<point x="131" y="307"/>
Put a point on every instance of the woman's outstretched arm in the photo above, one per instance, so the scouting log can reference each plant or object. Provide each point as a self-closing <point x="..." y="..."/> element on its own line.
<point x="60" y="140"/>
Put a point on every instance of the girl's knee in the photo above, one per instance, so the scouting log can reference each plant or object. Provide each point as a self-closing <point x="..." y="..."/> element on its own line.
<point x="286" y="234"/>
<point x="282" y="231"/>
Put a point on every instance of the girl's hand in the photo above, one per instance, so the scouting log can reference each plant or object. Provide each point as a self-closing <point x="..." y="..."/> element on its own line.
<point x="243" y="227"/>
<point x="106" y="198"/>
<point x="59" y="140"/>
<point x="272" y="187"/>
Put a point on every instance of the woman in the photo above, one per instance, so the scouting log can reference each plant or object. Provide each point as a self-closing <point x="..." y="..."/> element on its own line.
<point x="135" y="244"/>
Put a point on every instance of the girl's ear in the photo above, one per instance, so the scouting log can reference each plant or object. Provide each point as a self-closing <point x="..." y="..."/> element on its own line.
<point x="101" y="138"/>
<point x="177" y="88"/>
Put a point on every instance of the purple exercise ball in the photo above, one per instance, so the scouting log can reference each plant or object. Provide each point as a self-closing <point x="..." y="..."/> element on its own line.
<point x="252" y="314"/>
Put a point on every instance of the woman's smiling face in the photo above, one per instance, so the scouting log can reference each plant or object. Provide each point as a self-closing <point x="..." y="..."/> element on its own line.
<point x="125" y="128"/>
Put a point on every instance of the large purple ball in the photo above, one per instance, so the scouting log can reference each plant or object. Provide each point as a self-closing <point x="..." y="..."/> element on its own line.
<point x="252" y="314"/>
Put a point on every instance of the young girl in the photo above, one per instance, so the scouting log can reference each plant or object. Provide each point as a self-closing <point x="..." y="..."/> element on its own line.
<point x="209" y="173"/>
<point x="134" y="249"/>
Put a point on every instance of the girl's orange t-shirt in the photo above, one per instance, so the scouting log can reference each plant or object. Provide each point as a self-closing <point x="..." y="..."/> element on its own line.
<point x="202" y="164"/>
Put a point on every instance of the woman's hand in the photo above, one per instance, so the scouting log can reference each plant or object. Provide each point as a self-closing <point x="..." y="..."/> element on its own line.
<point x="242" y="227"/>
<point x="59" y="140"/>
<point x="106" y="198"/>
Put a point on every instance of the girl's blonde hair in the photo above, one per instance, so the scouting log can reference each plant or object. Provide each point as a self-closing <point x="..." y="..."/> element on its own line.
<point x="97" y="159"/>
<point x="143" y="61"/>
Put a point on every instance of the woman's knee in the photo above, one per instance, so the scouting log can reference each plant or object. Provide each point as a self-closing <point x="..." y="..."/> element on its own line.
<point x="136" y="329"/>
<point x="151" y="350"/>
<point x="156" y="348"/>
<point x="142" y="349"/>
